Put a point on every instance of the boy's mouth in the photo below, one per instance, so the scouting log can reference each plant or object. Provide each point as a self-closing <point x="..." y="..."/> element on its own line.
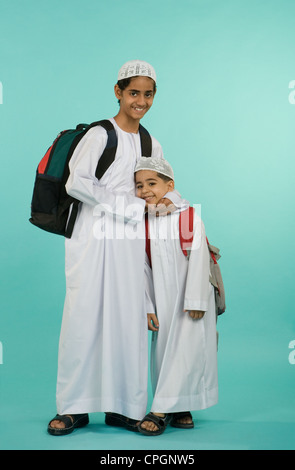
<point x="148" y="198"/>
<point x="139" y="109"/>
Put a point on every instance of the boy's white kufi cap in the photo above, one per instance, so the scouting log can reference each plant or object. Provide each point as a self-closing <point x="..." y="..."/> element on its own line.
<point x="136" y="68"/>
<point x="157" y="164"/>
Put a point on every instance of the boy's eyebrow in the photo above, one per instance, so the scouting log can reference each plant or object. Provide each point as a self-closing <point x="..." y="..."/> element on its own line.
<point x="148" y="179"/>
<point x="138" y="91"/>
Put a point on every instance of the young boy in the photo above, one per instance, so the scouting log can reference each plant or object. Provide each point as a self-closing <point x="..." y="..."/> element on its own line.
<point x="103" y="349"/>
<point x="181" y="311"/>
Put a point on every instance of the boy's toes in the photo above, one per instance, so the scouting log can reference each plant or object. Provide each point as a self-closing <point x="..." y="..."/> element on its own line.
<point x="182" y="420"/>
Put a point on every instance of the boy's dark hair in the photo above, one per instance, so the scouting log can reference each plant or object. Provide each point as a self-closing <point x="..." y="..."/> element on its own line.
<point x="122" y="84"/>
<point x="125" y="82"/>
<point x="164" y="177"/>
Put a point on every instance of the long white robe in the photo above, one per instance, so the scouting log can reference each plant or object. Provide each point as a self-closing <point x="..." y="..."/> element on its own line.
<point x="183" y="350"/>
<point x="103" y="350"/>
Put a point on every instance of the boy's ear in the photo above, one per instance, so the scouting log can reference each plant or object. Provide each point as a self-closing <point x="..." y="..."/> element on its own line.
<point x="171" y="185"/>
<point x="117" y="92"/>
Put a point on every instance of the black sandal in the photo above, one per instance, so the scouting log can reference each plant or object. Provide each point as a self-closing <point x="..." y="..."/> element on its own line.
<point x="161" y="422"/>
<point x="115" y="419"/>
<point x="183" y="414"/>
<point x="70" y="421"/>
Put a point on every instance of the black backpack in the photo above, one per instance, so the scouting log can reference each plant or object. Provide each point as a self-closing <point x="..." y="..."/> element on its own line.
<point x="52" y="209"/>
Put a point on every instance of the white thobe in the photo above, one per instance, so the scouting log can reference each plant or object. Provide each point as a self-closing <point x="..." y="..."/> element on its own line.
<point x="183" y="350"/>
<point x="103" y="349"/>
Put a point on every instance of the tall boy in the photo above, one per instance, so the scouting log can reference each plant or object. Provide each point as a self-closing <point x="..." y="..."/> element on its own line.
<point x="102" y="364"/>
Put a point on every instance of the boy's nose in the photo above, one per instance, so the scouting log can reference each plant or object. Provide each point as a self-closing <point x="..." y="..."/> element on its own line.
<point x="144" y="189"/>
<point x="140" y="100"/>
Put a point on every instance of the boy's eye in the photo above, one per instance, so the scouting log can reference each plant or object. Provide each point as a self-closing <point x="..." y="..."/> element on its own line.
<point x="148" y="94"/>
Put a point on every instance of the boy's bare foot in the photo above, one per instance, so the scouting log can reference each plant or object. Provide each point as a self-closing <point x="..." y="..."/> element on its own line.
<point x="183" y="420"/>
<point x="149" y="425"/>
<point x="58" y="424"/>
<point x="154" y="424"/>
<point x="65" y="424"/>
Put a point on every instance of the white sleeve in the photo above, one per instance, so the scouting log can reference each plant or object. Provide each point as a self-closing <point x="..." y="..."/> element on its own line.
<point x="197" y="284"/>
<point x="150" y="303"/>
<point x="176" y="199"/>
<point x="157" y="150"/>
<point x="83" y="185"/>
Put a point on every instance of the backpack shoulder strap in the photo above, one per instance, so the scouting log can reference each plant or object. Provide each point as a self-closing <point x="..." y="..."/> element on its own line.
<point x="186" y="233"/>
<point x="108" y="155"/>
<point x="146" y="142"/>
<point x="109" y="152"/>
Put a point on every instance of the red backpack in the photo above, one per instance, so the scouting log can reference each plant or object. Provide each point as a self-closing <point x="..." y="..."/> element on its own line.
<point x="186" y="225"/>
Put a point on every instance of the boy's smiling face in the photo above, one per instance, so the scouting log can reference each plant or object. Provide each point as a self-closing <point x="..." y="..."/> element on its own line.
<point x="151" y="187"/>
<point x="137" y="98"/>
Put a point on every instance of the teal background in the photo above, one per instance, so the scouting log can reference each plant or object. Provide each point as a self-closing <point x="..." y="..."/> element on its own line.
<point x="225" y="116"/>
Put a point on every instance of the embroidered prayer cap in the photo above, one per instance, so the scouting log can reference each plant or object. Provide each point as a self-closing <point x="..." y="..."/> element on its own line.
<point x="160" y="165"/>
<point x="136" y="68"/>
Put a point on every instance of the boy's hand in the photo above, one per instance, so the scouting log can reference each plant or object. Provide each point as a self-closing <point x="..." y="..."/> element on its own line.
<point x="195" y="314"/>
<point x="164" y="207"/>
<point x="153" y="323"/>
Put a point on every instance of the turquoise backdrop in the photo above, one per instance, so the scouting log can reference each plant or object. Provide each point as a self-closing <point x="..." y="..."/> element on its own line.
<point x="225" y="115"/>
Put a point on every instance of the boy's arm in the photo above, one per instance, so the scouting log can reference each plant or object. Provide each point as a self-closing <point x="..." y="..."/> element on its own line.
<point x="173" y="197"/>
<point x="153" y="323"/>
<point x="84" y="186"/>
<point x="197" y="285"/>
<point x="171" y="202"/>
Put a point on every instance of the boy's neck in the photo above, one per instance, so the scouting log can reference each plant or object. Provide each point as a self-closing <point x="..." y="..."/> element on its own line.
<point x="127" y="125"/>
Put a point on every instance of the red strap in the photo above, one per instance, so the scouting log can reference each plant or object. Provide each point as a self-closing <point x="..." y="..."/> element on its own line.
<point x="211" y="253"/>
<point x="186" y="229"/>
<point x="186" y="233"/>
<point x="147" y="239"/>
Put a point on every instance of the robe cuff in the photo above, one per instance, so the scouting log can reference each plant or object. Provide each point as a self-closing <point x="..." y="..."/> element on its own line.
<point x="196" y="305"/>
